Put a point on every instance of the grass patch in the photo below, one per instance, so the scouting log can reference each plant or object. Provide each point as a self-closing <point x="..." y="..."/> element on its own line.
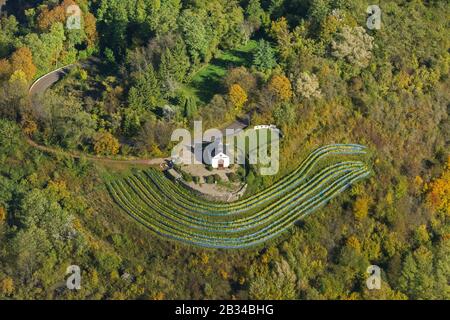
<point x="208" y="80"/>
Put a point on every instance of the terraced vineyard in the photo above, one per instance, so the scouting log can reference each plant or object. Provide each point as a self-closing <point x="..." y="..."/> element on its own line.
<point x="172" y="211"/>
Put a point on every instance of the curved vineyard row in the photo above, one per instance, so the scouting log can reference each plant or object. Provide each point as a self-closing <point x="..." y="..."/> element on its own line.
<point x="170" y="210"/>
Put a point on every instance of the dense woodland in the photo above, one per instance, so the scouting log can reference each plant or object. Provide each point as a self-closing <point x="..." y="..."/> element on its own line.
<point x="148" y="66"/>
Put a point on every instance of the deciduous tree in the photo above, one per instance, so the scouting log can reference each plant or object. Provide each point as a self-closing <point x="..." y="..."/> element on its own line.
<point x="280" y="32"/>
<point x="7" y="286"/>
<point x="354" y="46"/>
<point x="2" y="215"/>
<point x="106" y="144"/>
<point x="238" y="96"/>
<point x="22" y="59"/>
<point x="307" y="86"/>
<point x="281" y="87"/>
<point x="438" y="191"/>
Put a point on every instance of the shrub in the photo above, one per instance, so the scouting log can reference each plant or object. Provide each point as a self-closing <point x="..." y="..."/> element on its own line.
<point x="233" y="177"/>
<point x="241" y="173"/>
<point x="187" y="176"/>
<point x="29" y="127"/>
<point x="7" y="286"/>
<point x="209" y="179"/>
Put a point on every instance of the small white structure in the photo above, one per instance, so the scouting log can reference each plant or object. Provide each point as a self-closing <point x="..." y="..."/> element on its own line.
<point x="261" y="127"/>
<point x="220" y="161"/>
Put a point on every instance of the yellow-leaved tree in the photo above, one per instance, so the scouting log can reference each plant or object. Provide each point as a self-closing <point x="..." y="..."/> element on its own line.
<point x="106" y="144"/>
<point x="238" y="96"/>
<point x="361" y="207"/>
<point x="22" y="60"/>
<point x="2" y="215"/>
<point x="281" y="87"/>
<point x="7" y="286"/>
<point x="438" y="191"/>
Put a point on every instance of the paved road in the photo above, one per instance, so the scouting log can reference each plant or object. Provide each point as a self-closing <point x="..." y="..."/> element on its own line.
<point x="45" y="82"/>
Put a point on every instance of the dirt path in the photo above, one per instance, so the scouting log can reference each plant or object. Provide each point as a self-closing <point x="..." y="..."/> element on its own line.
<point x="150" y="162"/>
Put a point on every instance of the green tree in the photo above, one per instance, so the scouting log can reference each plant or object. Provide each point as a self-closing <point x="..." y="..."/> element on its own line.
<point x="174" y="63"/>
<point x="195" y="35"/>
<point x="10" y="138"/>
<point x="419" y="278"/>
<point x="46" y="48"/>
<point x="264" y="56"/>
<point x="145" y="93"/>
<point x="189" y="105"/>
<point x="8" y="29"/>
<point x="113" y="21"/>
<point x="65" y="121"/>
<point x="255" y="14"/>
<point x="275" y="283"/>
<point x="41" y="209"/>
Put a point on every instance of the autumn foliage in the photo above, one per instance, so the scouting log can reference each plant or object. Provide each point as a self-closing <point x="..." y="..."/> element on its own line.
<point x="22" y="60"/>
<point x="2" y="214"/>
<point x="5" y="69"/>
<point x="238" y="96"/>
<point x="106" y="144"/>
<point x="7" y="286"/>
<point x="48" y="17"/>
<point x="29" y="127"/>
<point x="438" y="197"/>
<point x="361" y="207"/>
<point x="281" y="87"/>
<point x="90" y="28"/>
